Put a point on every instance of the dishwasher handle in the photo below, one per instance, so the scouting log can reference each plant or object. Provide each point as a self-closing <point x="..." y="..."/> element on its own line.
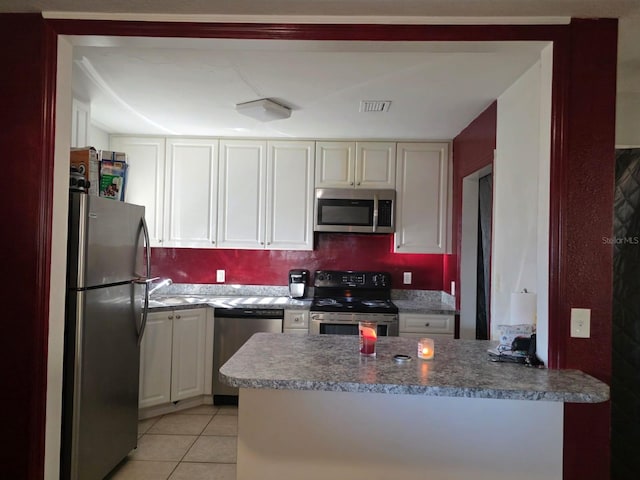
<point x="276" y="313"/>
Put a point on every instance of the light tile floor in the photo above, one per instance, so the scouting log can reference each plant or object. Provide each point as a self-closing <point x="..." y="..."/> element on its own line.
<point x="195" y="444"/>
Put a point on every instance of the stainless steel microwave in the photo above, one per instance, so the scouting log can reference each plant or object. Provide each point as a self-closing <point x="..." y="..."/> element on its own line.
<point x="354" y="210"/>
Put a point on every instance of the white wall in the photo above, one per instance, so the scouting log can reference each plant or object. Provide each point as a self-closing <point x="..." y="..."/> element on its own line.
<point x="98" y="138"/>
<point x="628" y="119"/>
<point x="58" y="262"/>
<point x="521" y="195"/>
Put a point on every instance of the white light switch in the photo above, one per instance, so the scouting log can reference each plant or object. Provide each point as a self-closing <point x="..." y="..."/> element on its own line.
<point x="219" y="276"/>
<point x="406" y="279"/>
<point x="581" y="322"/>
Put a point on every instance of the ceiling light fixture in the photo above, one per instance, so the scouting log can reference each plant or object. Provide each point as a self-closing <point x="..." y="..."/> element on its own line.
<point x="264" y="110"/>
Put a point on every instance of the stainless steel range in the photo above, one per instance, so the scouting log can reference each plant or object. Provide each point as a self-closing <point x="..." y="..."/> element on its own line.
<point x="343" y="298"/>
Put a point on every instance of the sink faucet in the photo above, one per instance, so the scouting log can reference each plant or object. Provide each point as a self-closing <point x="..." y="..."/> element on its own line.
<point x="163" y="283"/>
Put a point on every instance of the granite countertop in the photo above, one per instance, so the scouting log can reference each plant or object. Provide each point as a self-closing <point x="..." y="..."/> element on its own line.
<point x="197" y="301"/>
<point x="433" y="307"/>
<point x="460" y="369"/>
<point x="196" y="296"/>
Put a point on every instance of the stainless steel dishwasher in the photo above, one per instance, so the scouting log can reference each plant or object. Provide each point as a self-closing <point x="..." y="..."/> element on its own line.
<point x="232" y="328"/>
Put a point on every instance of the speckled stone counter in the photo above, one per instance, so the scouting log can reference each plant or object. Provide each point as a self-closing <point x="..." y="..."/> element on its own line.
<point x="191" y="295"/>
<point x="460" y="369"/>
<point x="168" y="302"/>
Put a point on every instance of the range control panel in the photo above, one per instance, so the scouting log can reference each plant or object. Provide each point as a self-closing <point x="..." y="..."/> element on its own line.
<point x="351" y="279"/>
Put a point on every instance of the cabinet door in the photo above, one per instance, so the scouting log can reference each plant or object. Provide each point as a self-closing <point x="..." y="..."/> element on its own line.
<point x="187" y="370"/>
<point x="145" y="178"/>
<point x="335" y="164"/>
<point x="191" y="193"/>
<point x="241" y="194"/>
<point x="375" y="165"/>
<point x="155" y="360"/>
<point x="422" y="206"/>
<point x="289" y="222"/>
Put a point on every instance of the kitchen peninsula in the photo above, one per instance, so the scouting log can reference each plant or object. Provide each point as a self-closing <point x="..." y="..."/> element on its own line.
<point x="311" y="407"/>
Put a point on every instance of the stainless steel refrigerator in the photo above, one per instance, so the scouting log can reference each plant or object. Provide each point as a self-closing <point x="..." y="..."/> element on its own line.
<point x="108" y="275"/>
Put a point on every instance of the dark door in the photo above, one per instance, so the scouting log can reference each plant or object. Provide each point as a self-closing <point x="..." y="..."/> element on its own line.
<point x="625" y="383"/>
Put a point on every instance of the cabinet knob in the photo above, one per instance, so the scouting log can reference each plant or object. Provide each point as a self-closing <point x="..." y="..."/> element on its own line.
<point x="427" y="324"/>
<point x="170" y="317"/>
<point x="213" y="241"/>
<point x="178" y="316"/>
<point x="159" y="241"/>
<point x="351" y="184"/>
<point x="268" y="243"/>
<point x="358" y="183"/>
<point x="261" y="243"/>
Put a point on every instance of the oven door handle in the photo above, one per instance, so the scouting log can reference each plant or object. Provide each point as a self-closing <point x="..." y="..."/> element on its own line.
<point x="375" y="212"/>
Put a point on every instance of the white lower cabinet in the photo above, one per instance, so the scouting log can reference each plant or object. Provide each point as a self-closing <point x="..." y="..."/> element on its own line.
<point x="173" y="356"/>
<point x="421" y="325"/>
<point x="296" y="321"/>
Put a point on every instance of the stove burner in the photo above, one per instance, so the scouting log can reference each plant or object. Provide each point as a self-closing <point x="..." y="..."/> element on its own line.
<point x="327" y="302"/>
<point x="376" y="303"/>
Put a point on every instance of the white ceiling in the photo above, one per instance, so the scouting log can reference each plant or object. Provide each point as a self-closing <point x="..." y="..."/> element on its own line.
<point x="191" y="86"/>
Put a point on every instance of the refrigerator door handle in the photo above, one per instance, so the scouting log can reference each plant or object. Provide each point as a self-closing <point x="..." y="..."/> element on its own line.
<point x="146" y="280"/>
<point x="145" y="309"/>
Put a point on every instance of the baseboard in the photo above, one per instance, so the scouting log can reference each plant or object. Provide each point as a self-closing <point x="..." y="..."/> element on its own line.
<point x="166" y="408"/>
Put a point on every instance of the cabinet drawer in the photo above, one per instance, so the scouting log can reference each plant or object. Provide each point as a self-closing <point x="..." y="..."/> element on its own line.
<point x="296" y="319"/>
<point x="426" y="323"/>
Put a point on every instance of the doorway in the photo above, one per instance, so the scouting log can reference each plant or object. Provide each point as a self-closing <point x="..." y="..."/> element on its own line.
<point x="477" y="204"/>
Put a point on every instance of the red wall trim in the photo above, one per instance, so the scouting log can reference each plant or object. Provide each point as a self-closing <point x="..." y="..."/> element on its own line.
<point x="581" y="140"/>
<point x="586" y="263"/>
<point x="27" y="89"/>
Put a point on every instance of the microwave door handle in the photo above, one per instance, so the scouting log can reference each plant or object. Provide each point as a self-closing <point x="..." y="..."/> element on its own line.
<point x="375" y="212"/>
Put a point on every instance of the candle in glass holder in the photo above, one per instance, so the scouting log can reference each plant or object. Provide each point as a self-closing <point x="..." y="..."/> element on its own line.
<point x="368" y="332"/>
<point x="425" y="348"/>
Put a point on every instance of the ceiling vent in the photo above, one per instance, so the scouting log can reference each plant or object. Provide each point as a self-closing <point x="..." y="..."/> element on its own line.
<point x="375" y="105"/>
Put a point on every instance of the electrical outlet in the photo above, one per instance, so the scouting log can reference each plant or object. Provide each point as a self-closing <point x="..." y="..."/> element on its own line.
<point x="580" y="322"/>
<point x="406" y="278"/>
<point x="220" y="276"/>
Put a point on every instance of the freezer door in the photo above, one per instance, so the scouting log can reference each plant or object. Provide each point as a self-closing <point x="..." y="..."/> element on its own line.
<point x="106" y="242"/>
<point x="101" y="379"/>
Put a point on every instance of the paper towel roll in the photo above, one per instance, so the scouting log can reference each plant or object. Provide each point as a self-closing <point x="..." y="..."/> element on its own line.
<point x="522" y="309"/>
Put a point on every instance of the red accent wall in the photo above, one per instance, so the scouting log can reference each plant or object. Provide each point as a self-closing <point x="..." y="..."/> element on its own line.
<point x="472" y="150"/>
<point x="270" y="267"/>
<point x="585" y="261"/>
<point x="25" y="243"/>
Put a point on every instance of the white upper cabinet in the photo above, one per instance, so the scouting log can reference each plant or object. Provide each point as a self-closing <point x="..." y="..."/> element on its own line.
<point x="335" y="164"/>
<point x="145" y="178"/>
<point x="375" y="165"/>
<point x="242" y="184"/>
<point x="356" y="164"/>
<point x="289" y="212"/>
<point x="191" y="192"/>
<point x="265" y="195"/>
<point x="423" y="198"/>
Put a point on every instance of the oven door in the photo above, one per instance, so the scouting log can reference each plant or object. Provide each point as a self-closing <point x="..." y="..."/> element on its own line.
<point x="347" y="329"/>
<point x="321" y="323"/>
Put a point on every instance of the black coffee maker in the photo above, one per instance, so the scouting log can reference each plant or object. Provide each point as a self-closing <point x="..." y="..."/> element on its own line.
<point x="298" y="283"/>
